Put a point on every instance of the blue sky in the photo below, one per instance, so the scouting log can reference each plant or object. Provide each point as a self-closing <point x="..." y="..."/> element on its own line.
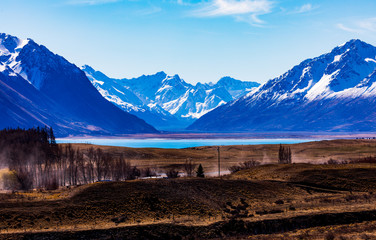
<point x="251" y="40"/>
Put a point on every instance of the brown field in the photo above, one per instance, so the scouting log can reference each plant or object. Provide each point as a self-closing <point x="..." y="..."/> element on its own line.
<point x="283" y="201"/>
<point x="311" y="152"/>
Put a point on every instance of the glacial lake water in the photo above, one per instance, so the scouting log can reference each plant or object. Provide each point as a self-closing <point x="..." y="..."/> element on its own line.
<point x="178" y="143"/>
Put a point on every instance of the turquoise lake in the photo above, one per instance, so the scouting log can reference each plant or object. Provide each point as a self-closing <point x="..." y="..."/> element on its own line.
<point x="177" y="143"/>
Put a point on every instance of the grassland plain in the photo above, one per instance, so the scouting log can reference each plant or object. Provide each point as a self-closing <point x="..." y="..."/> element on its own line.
<point x="293" y="201"/>
<point x="309" y="152"/>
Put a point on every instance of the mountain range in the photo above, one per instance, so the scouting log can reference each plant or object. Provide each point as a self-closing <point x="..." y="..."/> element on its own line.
<point x="333" y="92"/>
<point x="38" y="87"/>
<point x="167" y="102"/>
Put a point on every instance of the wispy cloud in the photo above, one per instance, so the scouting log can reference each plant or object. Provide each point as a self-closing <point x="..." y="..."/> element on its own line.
<point x="368" y="24"/>
<point x="345" y="28"/>
<point x="241" y="10"/>
<point x="360" y="26"/>
<point x="149" y="11"/>
<point x="91" y="2"/>
<point x="184" y="2"/>
<point x="305" y="8"/>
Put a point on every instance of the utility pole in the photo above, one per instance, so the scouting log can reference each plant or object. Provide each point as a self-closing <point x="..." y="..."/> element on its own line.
<point x="219" y="162"/>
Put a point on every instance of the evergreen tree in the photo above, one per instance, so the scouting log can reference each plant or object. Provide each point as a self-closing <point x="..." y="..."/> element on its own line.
<point x="200" y="171"/>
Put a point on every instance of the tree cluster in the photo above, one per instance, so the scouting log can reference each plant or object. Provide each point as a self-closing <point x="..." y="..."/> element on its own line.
<point x="36" y="161"/>
<point x="244" y="165"/>
<point x="284" y="155"/>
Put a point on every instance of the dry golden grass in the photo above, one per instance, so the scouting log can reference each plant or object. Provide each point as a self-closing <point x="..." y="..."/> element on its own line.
<point x="310" y="152"/>
<point x="272" y="191"/>
<point x="355" y="231"/>
<point x="351" y="177"/>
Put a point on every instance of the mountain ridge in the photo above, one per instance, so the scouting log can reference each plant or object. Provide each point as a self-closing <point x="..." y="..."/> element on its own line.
<point x="62" y="96"/>
<point x="166" y="101"/>
<point x="317" y="94"/>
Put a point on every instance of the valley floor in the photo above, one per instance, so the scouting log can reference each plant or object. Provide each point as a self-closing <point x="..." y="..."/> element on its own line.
<point x="270" y="201"/>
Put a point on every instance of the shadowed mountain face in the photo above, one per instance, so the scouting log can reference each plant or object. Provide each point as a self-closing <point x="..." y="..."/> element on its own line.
<point x="40" y="88"/>
<point x="167" y="102"/>
<point x="333" y="92"/>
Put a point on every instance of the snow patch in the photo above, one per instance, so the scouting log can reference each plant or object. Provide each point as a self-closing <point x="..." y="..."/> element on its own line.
<point x="337" y="58"/>
<point x="98" y="82"/>
<point x="321" y="88"/>
<point x="117" y="90"/>
<point x="164" y="88"/>
<point x="370" y="60"/>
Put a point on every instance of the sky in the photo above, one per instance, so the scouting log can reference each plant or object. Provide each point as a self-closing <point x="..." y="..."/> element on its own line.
<point x="202" y="41"/>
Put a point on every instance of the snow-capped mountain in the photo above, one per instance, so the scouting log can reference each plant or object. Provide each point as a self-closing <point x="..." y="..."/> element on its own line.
<point x="333" y="92"/>
<point x="167" y="102"/>
<point x="40" y="88"/>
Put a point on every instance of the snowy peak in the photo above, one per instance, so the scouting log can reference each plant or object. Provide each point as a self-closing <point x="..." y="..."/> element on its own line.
<point x="335" y="91"/>
<point x="41" y="88"/>
<point x="33" y="62"/>
<point x="170" y="97"/>
<point x="236" y="87"/>
<point x="10" y="48"/>
<point x="10" y="44"/>
<point x="328" y="75"/>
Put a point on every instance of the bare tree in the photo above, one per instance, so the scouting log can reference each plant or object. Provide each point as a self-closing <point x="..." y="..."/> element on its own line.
<point x="284" y="154"/>
<point x="189" y="167"/>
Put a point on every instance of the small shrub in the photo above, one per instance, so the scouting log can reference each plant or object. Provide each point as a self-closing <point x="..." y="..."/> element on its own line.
<point x="244" y="165"/>
<point x="10" y="181"/>
<point x="332" y="162"/>
<point x="279" y="202"/>
<point x="172" y="173"/>
<point x="329" y="236"/>
<point x="237" y="211"/>
<point x="148" y="172"/>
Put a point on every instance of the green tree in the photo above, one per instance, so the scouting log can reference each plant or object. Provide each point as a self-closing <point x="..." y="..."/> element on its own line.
<point x="200" y="171"/>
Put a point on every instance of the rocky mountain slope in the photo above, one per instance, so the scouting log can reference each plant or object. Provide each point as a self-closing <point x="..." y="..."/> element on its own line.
<point x="167" y="102"/>
<point x="38" y="87"/>
<point x="333" y="92"/>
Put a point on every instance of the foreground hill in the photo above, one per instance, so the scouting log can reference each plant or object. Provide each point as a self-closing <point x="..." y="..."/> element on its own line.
<point x="196" y="208"/>
<point x="41" y="88"/>
<point x="333" y="92"/>
<point x="167" y="102"/>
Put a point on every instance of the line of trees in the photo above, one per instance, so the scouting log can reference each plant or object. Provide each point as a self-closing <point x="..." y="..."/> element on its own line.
<point x="36" y="161"/>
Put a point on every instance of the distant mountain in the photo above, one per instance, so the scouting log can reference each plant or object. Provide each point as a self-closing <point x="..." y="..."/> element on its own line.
<point x="167" y="102"/>
<point x="38" y="87"/>
<point x="333" y="92"/>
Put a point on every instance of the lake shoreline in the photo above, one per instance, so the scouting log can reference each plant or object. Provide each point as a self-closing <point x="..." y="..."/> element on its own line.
<point x="240" y="135"/>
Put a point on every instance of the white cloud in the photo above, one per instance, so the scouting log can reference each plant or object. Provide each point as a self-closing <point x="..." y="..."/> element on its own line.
<point x="235" y="7"/>
<point x="183" y="2"/>
<point x="360" y="26"/>
<point x="344" y="28"/>
<point x="90" y="2"/>
<point x="149" y="11"/>
<point x="368" y="24"/>
<point x="242" y="10"/>
<point x="305" y="8"/>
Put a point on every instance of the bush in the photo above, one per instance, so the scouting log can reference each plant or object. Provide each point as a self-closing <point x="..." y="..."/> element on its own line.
<point x="148" y="172"/>
<point x="244" y="165"/>
<point x="329" y="236"/>
<point x="9" y="180"/>
<point x="172" y="173"/>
